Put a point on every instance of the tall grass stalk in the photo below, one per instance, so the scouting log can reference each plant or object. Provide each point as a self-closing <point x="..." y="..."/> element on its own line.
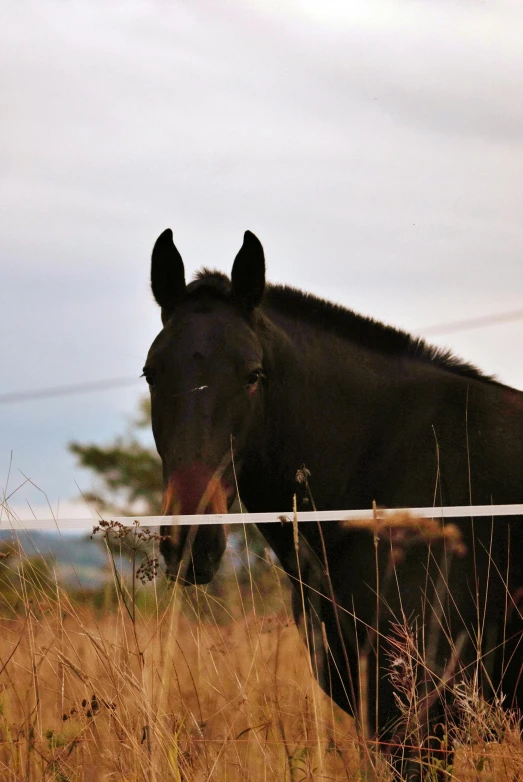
<point x="156" y="682"/>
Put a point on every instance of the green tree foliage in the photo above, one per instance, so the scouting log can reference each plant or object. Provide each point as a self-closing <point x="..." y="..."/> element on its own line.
<point x="129" y="473"/>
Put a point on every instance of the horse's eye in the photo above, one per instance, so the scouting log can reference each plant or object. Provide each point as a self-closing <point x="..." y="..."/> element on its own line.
<point x="253" y="377"/>
<point x="148" y="375"/>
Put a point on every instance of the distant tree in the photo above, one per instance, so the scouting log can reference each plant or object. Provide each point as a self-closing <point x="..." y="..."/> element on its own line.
<point x="130" y="472"/>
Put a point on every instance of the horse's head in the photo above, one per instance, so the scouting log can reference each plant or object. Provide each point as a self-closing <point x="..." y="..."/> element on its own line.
<point x="205" y="372"/>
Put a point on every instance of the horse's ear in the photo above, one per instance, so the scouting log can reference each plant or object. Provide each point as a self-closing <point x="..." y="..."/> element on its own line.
<point x="248" y="272"/>
<point x="167" y="274"/>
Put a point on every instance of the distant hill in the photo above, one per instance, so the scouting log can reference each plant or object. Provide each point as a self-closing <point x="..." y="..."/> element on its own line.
<point x="79" y="560"/>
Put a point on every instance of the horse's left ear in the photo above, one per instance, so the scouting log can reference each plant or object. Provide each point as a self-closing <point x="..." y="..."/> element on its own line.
<point x="248" y="272"/>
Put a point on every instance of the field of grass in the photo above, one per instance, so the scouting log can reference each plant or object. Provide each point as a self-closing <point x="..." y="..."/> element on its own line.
<point x="150" y="682"/>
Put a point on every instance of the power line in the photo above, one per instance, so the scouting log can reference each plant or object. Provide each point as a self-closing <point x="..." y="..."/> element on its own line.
<point x="77" y="388"/>
<point x="104" y="385"/>
<point x="471" y="323"/>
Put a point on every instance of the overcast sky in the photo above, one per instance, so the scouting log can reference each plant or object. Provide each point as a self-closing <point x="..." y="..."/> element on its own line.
<point x="374" y="147"/>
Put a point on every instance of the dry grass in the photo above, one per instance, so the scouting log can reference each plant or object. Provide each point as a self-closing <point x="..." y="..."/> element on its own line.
<point x="174" y="684"/>
<point x="205" y="703"/>
<point x="181" y="691"/>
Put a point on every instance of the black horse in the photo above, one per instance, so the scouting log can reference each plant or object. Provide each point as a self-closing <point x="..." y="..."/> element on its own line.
<point x="268" y="385"/>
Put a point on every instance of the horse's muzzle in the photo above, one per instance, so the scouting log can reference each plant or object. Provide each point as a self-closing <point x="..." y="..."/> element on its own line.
<point x="193" y="554"/>
<point x="195" y="488"/>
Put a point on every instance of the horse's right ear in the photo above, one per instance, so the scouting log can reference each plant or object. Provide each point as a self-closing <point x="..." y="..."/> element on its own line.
<point x="167" y="274"/>
<point x="248" y="273"/>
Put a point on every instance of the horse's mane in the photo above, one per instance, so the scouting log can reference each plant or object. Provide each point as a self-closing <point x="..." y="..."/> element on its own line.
<point x="346" y="324"/>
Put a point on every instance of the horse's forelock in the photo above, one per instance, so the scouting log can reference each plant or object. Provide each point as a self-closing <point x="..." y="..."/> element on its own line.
<point x="213" y="285"/>
<point x="210" y="281"/>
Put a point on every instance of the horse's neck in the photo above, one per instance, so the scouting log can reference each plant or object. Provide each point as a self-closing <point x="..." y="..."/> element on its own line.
<point x="321" y="376"/>
<point x="352" y="415"/>
<point x="324" y="406"/>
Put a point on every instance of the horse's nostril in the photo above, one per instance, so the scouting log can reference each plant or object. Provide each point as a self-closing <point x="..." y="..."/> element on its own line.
<point x="198" y="356"/>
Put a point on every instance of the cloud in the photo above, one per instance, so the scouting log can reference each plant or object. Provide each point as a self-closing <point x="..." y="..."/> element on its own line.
<point x="374" y="147"/>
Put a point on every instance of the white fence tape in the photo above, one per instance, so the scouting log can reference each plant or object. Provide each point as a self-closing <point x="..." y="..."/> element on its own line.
<point x="9" y="522"/>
